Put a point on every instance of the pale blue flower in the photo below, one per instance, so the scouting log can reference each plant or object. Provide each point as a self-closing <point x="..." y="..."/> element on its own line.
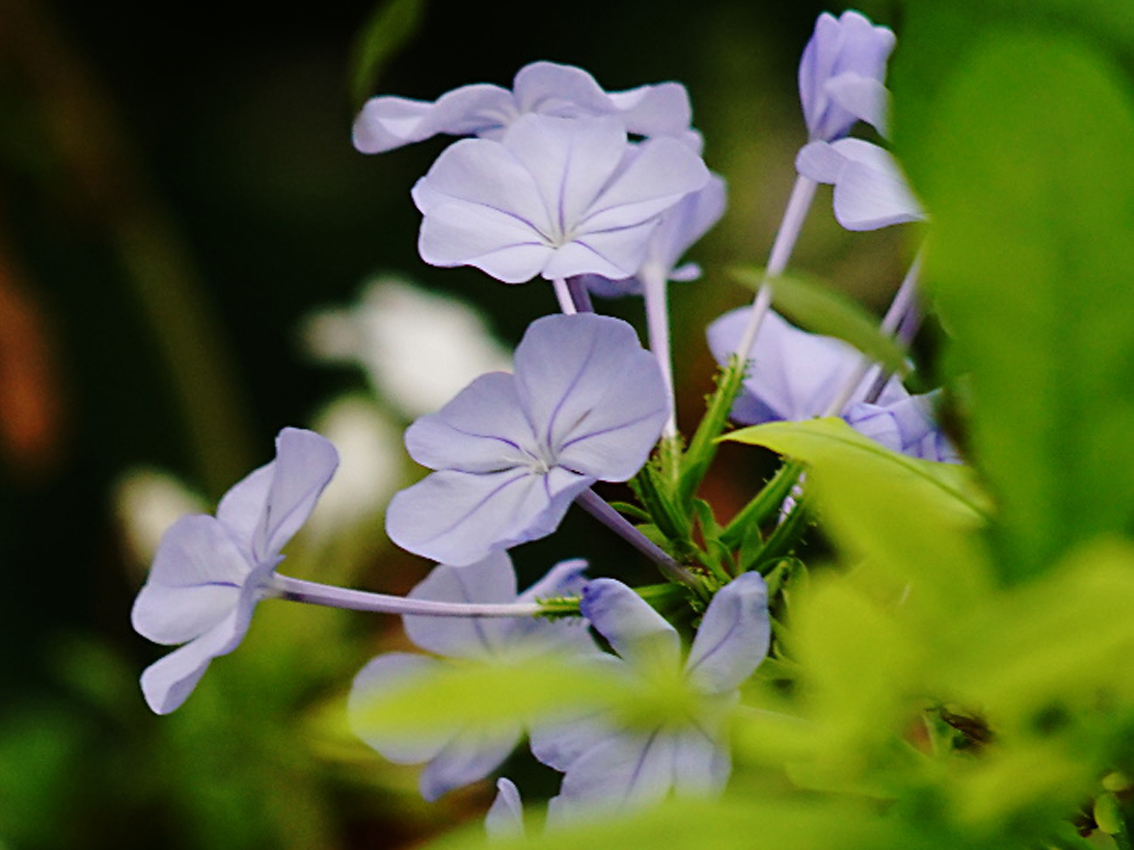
<point x="680" y="228"/>
<point x="464" y="754"/>
<point x="544" y="88"/>
<point x="556" y="197"/>
<point x="210" y="572"/>
<point x="841" y="74"/>
<point x="586" y="404"/>
<point x="907" y="425"/>
<point x="870" y="190"/>
<point x="796" y="375"/>
<point x="608" y="765"/>
<point x="793" y="374"/>
<point x="505" y="818"/>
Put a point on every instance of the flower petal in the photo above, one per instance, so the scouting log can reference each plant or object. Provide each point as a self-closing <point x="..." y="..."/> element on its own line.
<point x="490" y="580"/>
<point x="596" y="396"/>
<point x="505" y="816"/>
<point x="304" y="465"/>
<point x="907" y="426"/>
<point x="553" y="89"/>
<point x="624" y="770"/>
<point x="570" y="160"/>
<point x="795" y="374"/>
<point x="483" y="429"/>
<point x="167" y="683"/>
<point x="658" y="110"/>
<point x="701" y="766"/>
<point x="866" y="98"/>
<point x="871" y="191"/>
<point x="733" y="636"/>
<point x="387" y="122"/>
<point x="687" y="222"/>
<point x="194" y="584"/>
<point x="848" y="44"/>
<point x="390" y="671"/>
<point x="459" y="518"/>
<point x="638" y="633"/>
<point x="468" y="757"/>
<point x="660" y="173"/>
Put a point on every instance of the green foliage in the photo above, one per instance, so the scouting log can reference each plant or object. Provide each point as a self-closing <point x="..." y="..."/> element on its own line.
<point x="491" y="695"/>
<point x="1030" y="261"/>
<point x="386" y="32"/>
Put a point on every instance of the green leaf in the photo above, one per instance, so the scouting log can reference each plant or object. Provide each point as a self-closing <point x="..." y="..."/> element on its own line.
<point x="388" y="30"/>
<point x="490" y="695"/>
<point x="912" y="521"/>
<point x="738" y="822"/>
<point x="822" y="310"/>
<point x="1031" y="261"/>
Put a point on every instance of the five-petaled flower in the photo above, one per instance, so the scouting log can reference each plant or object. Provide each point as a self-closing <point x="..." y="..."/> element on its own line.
<point x="544" y="88"/>
<point x="609" y="762"/>
<point x="556" y="197"/>
<point x="512" y="451"/>
<point x="464" y="754"/>
<point x="210" y="572"/>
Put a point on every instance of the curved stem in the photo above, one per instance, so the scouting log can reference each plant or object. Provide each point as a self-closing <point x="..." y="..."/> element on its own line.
<point x="653" y="280"/>
<point x="802" y="193"/>
<point x="298" y="590"/>
<point x="563" y="295"/>
<point x="580" y="297"/>
<point x="597" y="507"/>
<point x="904" y="304"/>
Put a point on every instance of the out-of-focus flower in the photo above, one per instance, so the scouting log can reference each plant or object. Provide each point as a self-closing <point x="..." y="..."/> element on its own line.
<point x="505" y="818"/>
<point x="906" y="425"/>
<point x="544" y="88"/>
<point x="870" y="190"/>
<point x="210" y="572"/>
<point x="465" y="754"/>
<point x="609" y="763"/>
<point x="418" y="348"/>
<point x="793" y="374"/>
<point x="556" y="197"/>
<point x="585" y="404"/>
<point x="680" y="228"/>
<point x="841" y="74"/>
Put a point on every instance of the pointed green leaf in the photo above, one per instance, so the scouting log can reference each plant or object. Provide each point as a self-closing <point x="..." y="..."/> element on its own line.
<point x="389" y="28"/>
<point x="914" y="521"/>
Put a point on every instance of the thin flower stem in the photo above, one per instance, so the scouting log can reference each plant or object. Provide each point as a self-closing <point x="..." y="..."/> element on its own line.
<point x="298" y="590"/>
<point x="563" y="293"/>
<point x="580" y="297"/>
<point x="597" y="507"/>
<point x="657" y="323"/>
<point x="905" y="301"/>
<point x="802" y="193"/>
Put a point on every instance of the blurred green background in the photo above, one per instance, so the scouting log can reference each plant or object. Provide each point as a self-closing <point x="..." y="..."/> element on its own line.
<point x="177" y="192"/>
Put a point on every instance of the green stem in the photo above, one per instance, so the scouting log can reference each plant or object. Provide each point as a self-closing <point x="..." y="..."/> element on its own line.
<point x="763" y="504"/>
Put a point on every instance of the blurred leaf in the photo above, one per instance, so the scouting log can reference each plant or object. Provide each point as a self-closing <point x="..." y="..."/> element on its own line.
<point x="913" y="521"/>
<point x="388" y="29"/>
<point x="1064" y="641"/>
<point x="1026" y="171"/>
<point x="859" y="666"/>
<point x="822" y="310"/>
<point x="735" y="823"/>
<point x="491" y="696"/>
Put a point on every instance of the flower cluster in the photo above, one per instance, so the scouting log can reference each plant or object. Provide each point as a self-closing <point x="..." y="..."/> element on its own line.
<point x="597" y="192"/>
